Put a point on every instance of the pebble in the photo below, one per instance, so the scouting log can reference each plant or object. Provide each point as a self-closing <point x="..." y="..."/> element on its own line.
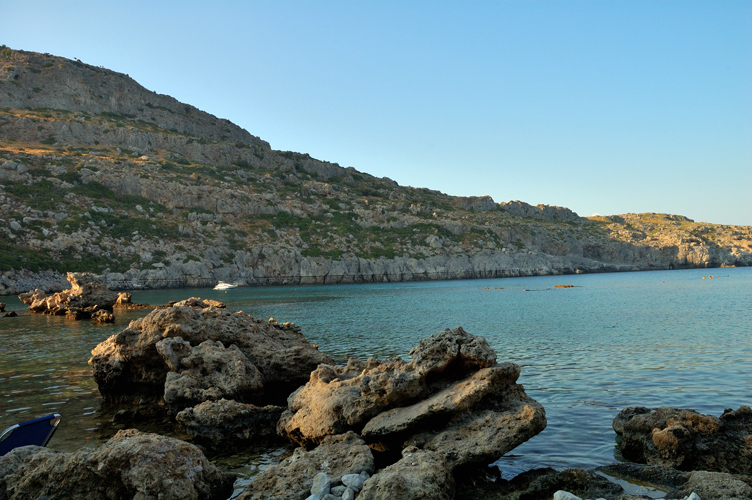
<point x="321" y="485"/>
<point x="338" y="490"/>
<point x="349" y="494"/>
<point x="354" y="481"/>
<point x="565" y="495"/>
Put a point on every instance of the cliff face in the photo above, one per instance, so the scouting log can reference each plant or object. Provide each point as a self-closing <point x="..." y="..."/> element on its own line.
<point x="99" y="174"/>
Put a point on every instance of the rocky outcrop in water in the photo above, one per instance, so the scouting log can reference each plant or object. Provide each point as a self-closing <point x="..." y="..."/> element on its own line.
<point x="451" y="398"/>
<point x="194" y="350"/>
<point x="336" y="456"/>
<point x="87" y="298"/>
<point x="687" y="440"/>
<point x="226" y="425"/>
<point x="130" y="465"/>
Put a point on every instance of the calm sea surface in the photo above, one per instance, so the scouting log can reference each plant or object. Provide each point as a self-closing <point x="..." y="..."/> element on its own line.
<point x="614" y="340"/>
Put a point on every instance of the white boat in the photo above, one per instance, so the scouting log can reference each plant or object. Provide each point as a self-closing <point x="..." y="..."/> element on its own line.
<point x="224" y="286"/>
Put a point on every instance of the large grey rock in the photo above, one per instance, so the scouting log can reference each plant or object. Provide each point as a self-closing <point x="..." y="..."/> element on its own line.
<point x="130" y="465"/>
<point x="128" y="365"/>
<point x="447" y="399"/>
<point x="420" y="474"/>
<point x="336" y="456"/>
<point x="337" y="399"/>
<point x="207" y="372"/>
<point x="226" y="425"/>
<point x="687" y="440"/>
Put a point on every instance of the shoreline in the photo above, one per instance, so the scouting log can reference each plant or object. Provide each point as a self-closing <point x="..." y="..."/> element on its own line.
<point x="15" y="282"/>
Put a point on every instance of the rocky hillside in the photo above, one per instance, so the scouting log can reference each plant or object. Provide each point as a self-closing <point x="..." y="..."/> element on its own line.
<point x="99" y="174"/>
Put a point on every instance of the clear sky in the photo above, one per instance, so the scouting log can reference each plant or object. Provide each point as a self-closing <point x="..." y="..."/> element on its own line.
<point x="600" y="106"/>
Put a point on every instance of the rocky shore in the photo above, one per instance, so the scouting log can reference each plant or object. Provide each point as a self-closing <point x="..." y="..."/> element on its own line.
<point x="367" y="429"/>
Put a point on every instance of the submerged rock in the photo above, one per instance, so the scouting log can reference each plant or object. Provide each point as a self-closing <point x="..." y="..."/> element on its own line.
<point x="226" y="425"/>
<point x="336" y="457"/>
<point x="129" y="366"/>
<point x="130" y="465"/>
<point x="449" y="399"/>
<point x="419" y="474"/>
<point x="687" y="440"/>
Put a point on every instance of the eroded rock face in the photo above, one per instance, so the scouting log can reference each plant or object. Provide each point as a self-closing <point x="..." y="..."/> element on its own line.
<point x="129" y="366"/>
<point x="336" y="456"/>
<point x="420" y="474"/>
<point x="448" y="399"/>
<point x="227" y="425"/>
<point x="85" y="299"/>
<point x="687" y="440"/>
<point x="130" y="465"/>
<point x="207" y="372"/>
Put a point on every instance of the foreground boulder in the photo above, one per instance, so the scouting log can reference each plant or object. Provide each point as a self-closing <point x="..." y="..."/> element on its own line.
<point x="227" y="425"/>
<point x="419" y="474"/>
<point x="130" y="465"/>
<point x="451" y="398"/>
<point x="87" y="298"/>
<point x="246" y="357"/>
<point x="207" y="372"/>
<point x="293" y="479"/>
<point x="687" y="440"/>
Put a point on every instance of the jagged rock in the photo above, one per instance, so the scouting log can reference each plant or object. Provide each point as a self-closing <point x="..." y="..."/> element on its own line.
<point x="86" y="297"/>
<point x="103" y="316"/>
<point x="11" y="314"/>
<point x="447" y="399"/>
<point x="293" y="478"/>
<point x="337" y="399"/>
<point x="2" y="307"/>
<point x="207" y="372"/>
<point x="130" y="465"/>
<point x="201" y="303"/>
<point x="128" y="366"/>
<point x="419" y="474"/>
<point x="687" y="440"/>
<point x="228" y="425"/>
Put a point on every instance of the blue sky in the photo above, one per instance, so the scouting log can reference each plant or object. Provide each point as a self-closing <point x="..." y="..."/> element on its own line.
<point x="603" y="107"/>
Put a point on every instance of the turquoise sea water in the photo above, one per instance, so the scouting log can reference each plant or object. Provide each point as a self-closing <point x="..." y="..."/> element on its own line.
<point x="614" y="340"/>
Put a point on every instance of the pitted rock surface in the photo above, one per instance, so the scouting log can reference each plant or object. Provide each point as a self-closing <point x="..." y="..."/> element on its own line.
<point x="420" y="474"/>
<point x="130" y="465"/>
<point x="447" y="400"/>
<point x="687" y="440"/>
<point x="208" y="372"/>
<point x="128" y="366"/>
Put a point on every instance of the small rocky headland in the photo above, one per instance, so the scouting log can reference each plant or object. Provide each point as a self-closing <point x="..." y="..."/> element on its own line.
<point x="426" y="428"/>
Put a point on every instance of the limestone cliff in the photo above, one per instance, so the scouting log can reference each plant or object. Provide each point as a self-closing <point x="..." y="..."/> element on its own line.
<point x="99" y="174"/>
